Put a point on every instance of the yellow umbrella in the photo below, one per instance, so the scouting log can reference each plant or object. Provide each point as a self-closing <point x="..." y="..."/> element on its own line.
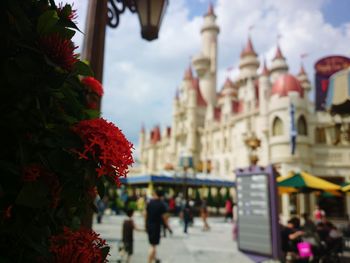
<point x="305" y="180"/>
<point x="346" y="188"/>
<point x="286" y="190"/>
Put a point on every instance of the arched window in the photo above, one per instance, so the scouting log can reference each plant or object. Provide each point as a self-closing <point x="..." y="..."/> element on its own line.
<point x="302" y="126"/>
<point x="277" y="127"/>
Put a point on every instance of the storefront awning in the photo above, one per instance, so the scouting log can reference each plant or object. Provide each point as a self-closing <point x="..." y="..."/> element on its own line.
<point x="176" y="180"/>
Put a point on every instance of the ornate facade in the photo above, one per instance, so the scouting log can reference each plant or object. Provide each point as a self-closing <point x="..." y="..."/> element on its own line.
<point x="214" y="127"/>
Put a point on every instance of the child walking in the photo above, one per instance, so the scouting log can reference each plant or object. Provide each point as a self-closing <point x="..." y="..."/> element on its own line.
<point x="128" y="234"/>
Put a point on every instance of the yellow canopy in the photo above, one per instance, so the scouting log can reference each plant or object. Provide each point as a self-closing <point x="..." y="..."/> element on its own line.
<point x="286" y="190"/>
<point x="346" y="188"/>
<point x="305" y="180"/>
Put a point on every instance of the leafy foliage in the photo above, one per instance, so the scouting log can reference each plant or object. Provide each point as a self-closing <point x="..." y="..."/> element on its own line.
<point x="45" y="189"/>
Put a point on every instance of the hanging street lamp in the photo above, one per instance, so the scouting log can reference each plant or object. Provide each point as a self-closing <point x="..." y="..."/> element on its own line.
<point x="107" y="12"/>
<point x="150" y="13"/>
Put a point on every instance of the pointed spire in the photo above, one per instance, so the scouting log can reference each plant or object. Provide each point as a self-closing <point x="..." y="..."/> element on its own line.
<point x="228" y="82"/>
<point x="278" y="54"/>
<point x="249" y="49"/>
<point x="176" y="94"/>
<point x="265" y="70"/>
<point x="143" y="128"/>
<point x="210" y="10"/>
<point x="302" y="70"/>
<point x="188" y="73"/>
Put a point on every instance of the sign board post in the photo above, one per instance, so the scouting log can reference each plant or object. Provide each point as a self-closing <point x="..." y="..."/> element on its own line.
<point x="257" y="211"/>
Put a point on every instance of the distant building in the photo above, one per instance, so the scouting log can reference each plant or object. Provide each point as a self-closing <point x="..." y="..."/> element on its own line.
<point x="212" y="127"/>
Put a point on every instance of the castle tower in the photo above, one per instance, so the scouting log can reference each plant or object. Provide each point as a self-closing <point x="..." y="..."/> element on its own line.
<point x="278" y="66"/>
<point x="186" y="84"/>
<point x="205" y="63"/>
<point x="264" y="88"/>
<point x="249" y="62"/>
<point x="304" y="80"/>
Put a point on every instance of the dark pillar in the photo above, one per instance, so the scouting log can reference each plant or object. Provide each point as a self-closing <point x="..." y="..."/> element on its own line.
<point x="94" y="40"/>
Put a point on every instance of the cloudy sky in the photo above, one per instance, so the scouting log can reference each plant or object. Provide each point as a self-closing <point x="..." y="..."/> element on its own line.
<point x="140" y="77"/>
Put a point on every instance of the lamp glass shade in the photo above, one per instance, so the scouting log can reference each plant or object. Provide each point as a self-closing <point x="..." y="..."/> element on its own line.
<point x="150" y="14"/>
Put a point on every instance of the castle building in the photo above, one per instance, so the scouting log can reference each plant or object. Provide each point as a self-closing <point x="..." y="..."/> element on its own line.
<point x="212" y="124"/>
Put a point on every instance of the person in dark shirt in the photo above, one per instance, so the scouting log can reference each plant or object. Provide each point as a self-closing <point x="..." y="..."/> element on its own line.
<point x="289" y="236"/>
<point x="155" y="216"/>
<point x="128" y="234"/>
<point x="186" y="216"/>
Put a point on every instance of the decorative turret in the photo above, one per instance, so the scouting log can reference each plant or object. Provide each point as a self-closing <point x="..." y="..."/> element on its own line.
<point x="278" y="66"/>
<point x="304" y="80"/>
<point x="188" y="73"/>
<point x="264" y="88"/>
<point x="265" y="71"/>
<point x="205" y="63"/>
<point x="229" y="89"/>
<point x="249" y="62"/>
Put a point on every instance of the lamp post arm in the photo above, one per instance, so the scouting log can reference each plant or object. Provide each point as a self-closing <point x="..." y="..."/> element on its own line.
<point x="117" y="7"/>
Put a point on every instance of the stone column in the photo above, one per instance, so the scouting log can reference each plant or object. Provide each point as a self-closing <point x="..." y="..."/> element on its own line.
<point x="285" y="208"/>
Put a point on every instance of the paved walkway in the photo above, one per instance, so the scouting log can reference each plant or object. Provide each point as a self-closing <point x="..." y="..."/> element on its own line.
<point x="215" y="246"/>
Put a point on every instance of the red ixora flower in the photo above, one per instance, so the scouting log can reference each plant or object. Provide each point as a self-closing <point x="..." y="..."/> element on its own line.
<point x="59" y="50"/>
<point x="82" y="246"/>
<point x="93" y="85"/>
<point x="71" y="15"/>
<point x="105" y="144"/>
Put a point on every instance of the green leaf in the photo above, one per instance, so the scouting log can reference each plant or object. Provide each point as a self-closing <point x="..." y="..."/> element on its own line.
<point x="82" y="68"/>
<point x="105" y="251"/>
<point x="92" y="114"/>
<point x="76" y="223"/>
<point x="101" y="188"/>
<point x="47" y="21"/>
<point x="33" y="195"/>
<point x="64" y="32"/>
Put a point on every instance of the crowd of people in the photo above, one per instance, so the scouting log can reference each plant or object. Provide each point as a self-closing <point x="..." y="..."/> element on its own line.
<point x="157" y="211"/>
<point x="312" y="240"/>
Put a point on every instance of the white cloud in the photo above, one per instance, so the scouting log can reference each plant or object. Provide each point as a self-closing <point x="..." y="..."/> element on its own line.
<point x="140" y="77"/>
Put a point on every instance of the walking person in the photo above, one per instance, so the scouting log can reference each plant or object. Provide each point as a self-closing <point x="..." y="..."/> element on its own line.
<point x="186" y="216"/>
<point x="128" y="234"/>
<point x="228" y="210"/>
<point x="319" y="214"/>
<point x="155" y="215"/>
<point x="204" y="215"/>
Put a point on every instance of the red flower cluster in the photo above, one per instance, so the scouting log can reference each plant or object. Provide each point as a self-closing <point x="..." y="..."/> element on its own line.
<point x="105" y="144"/>
<point x="93" y="85"/>
<point x="72" y="15"/>
<point x="82" y="246"/>
<point x="59" y="50"/>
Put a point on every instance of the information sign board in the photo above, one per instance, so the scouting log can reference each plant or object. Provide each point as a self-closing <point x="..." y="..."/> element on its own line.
<point x="258" y="228"/>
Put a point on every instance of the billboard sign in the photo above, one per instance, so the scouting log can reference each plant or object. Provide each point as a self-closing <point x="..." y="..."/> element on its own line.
<point x="258" y="227"/>
<point x="324" y="68"/>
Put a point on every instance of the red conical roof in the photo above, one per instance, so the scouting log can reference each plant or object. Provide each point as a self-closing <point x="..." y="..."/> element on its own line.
<point x="200" y="100"/>
<point x="210" y="10"/>
<point x="155" y="134"/>
<point x="249" y="49"/>
<point x="302" y="70"/>
<point x="265" y="70"/>
<point x="188" y="73"/>
<point x="143" y="128"/>
<point x="278" y="54"/>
